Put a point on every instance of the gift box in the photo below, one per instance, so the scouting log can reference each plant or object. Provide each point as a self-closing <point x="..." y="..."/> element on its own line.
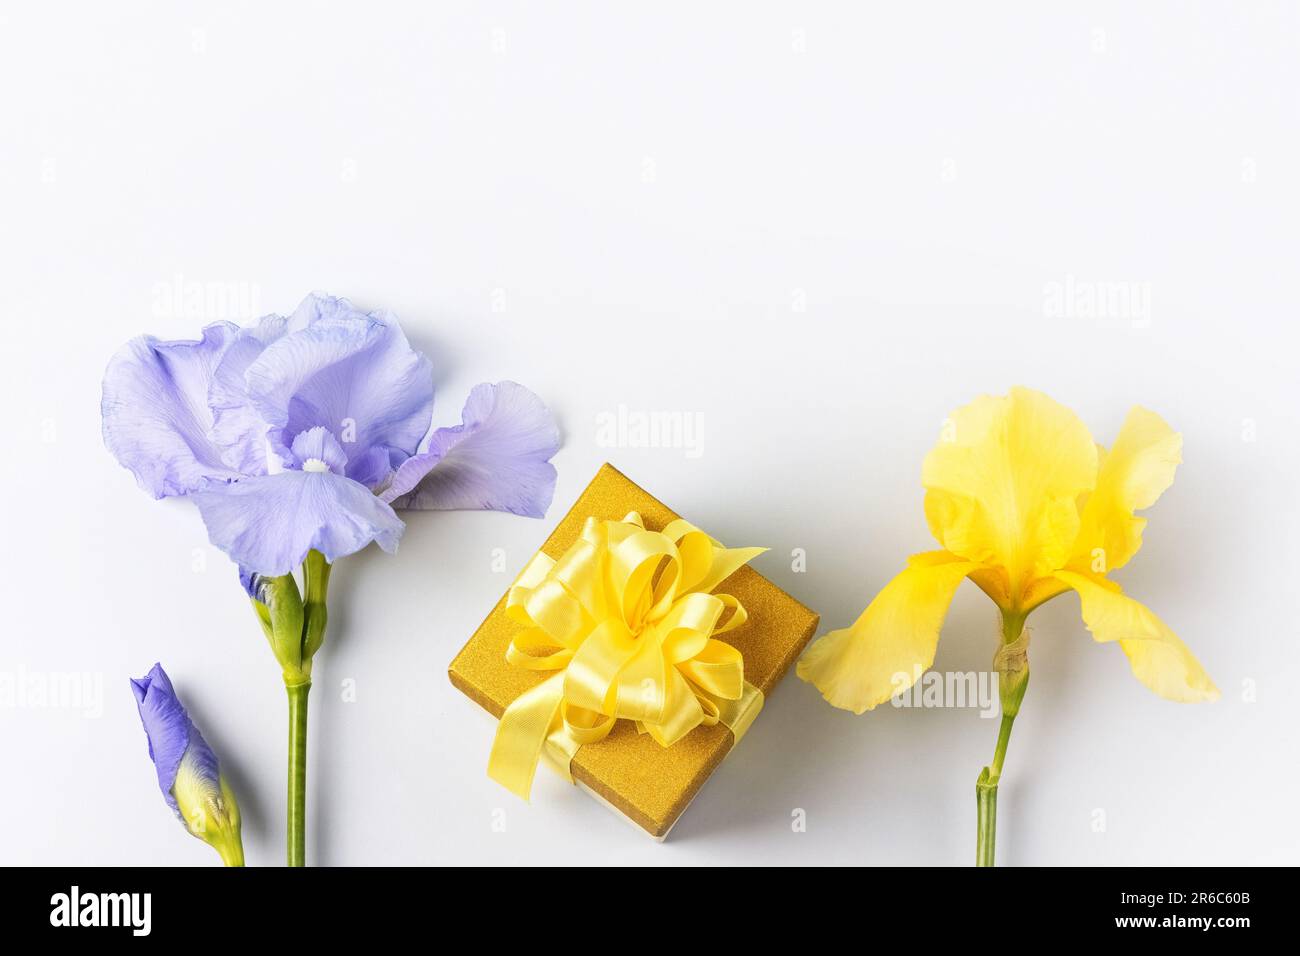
<point x="629" y="768"/>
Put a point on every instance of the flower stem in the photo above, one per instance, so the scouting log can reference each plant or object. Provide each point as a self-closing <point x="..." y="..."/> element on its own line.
<point x="231" y="855"/>
<point x="297" y="824"/>
<point x="297" y="681"/>
<point x="1012" y="664"/>
<point x="986" y="797"/>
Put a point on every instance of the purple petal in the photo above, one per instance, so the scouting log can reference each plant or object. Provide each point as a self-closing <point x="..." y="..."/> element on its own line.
<point x="318" y="445"/>
<point x="172" y="735"/>
<point x="350" y="372"/>
<point x="236" y="425"/>
<point x="497" y="459"/>
<point x="375" y="467"/>
<point x="156" y="415"/>
<point x="268" y="523"/>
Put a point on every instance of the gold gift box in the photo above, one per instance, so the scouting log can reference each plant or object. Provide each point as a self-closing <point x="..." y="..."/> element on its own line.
<point x="649" y="784"/>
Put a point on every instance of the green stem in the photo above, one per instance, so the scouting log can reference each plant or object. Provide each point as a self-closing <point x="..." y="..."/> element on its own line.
<point x="986" y="797"/>
<point x="1013" y="678"/>
<point x="307" y="639"/>
<point x="231" y="855"/>
<point x="297" y="827"/>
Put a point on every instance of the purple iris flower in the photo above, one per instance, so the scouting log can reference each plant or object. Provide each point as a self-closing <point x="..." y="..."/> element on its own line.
<point x="304" y="432"/>
<point x="189" y="775"/>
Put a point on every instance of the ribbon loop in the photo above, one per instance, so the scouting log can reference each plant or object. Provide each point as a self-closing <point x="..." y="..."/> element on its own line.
<point x="626" y="621"/>
<point x="718" y="669"/>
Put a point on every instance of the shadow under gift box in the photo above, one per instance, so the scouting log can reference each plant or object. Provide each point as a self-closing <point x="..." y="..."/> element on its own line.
<point x="648" y="784"/>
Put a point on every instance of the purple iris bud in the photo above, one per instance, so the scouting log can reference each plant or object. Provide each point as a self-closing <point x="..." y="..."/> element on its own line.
<point x="304" y="432"/>
<point x="189" y="774"/>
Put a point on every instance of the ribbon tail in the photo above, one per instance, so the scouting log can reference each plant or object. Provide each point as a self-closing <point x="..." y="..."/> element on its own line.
<point x="522" y="733"/>
<point x="737" y="715"/>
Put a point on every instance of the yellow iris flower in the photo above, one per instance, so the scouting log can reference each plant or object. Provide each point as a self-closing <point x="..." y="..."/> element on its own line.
<point x="1028" y="507"/>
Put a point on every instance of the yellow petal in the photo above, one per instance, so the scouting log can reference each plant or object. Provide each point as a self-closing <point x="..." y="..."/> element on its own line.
<point x="1133" y="474"/>
<point x="1003" y="482"/>
<point x="893" y="641"/>
<point x="1158" y="658"/>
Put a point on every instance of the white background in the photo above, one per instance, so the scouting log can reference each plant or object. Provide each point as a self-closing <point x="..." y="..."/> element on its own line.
<point x="814" y="230"/>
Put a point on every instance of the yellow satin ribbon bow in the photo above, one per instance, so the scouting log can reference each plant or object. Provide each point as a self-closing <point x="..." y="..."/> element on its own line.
<point x="627" y="619"/>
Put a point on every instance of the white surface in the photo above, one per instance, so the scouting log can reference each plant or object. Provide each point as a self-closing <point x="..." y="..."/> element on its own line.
<point x="627" y="207"/>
